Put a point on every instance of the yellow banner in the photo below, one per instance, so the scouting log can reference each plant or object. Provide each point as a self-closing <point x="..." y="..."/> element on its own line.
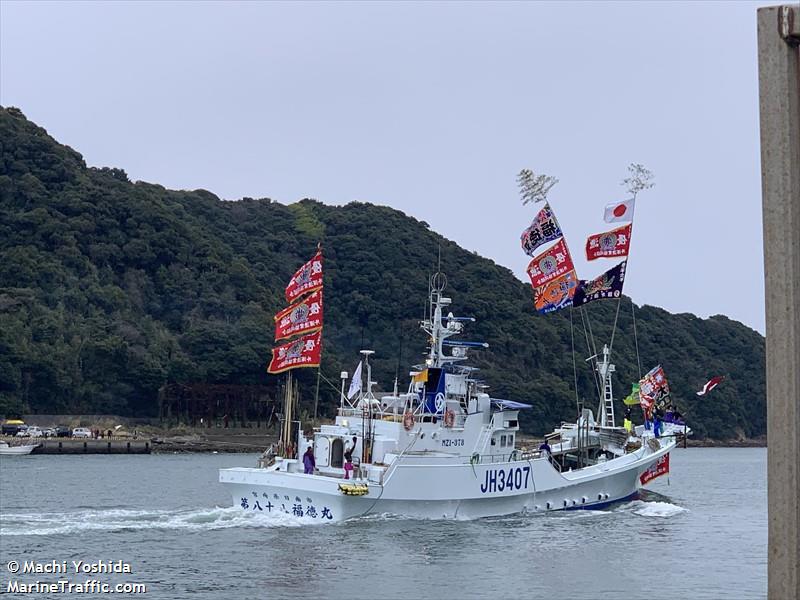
<point x="420" y="377"/>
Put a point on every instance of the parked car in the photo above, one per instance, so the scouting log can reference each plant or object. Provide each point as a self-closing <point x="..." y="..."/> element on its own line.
<point x="81" y="432"/>
<point x="32" y="431"/>
<point x="22" y="431"/>
<point x="49" y="432"/>
<point x="63" y="431"/>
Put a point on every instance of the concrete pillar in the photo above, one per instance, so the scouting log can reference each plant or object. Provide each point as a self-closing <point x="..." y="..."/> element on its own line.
<point x="779" y="89"/>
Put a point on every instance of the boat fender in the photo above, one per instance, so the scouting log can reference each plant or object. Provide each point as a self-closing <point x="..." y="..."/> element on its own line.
<point x="408" y="420"/>
<point x="449" y="418"/>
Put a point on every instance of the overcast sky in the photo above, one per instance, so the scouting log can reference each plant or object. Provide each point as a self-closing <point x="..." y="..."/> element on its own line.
<point x="431" y="108"/>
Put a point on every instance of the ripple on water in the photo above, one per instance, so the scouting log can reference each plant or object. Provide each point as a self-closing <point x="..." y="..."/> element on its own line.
<point x="56" y="523"/>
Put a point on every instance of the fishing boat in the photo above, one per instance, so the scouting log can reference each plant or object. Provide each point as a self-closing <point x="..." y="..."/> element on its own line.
<point x="6" y="450"/>
<point x="447" y="449"/>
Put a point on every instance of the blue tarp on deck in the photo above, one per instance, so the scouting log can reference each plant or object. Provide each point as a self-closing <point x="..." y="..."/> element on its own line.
<point x="510" y="404"/>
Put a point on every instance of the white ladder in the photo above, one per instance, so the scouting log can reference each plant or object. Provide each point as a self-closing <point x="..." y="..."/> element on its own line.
<point x="483" y="438"/>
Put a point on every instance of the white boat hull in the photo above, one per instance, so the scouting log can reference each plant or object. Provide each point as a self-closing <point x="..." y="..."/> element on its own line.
<point x="17" y="450"/>
<point x="445" y="487"/>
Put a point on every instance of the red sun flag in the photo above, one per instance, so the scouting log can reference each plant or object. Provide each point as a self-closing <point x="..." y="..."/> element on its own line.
<point x="619" y="211"/>
<point x="711" y="384"/>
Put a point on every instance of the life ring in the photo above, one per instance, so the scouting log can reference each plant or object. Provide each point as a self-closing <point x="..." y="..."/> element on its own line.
<point x="408" y="420"/>
<point x="449" y="418"/>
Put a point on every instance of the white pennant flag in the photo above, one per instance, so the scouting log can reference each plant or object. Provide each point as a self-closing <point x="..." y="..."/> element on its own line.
<point x="355" y="383"/>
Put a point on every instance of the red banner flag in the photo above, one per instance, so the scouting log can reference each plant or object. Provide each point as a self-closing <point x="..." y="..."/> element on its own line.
<point x="610" y="244"/>
<point x="657" y="469"/>
<point x="308" y="278"/>
<point x="550" y="264"/>
<point x="302" y="352"/>
<point x="303" y="317"/>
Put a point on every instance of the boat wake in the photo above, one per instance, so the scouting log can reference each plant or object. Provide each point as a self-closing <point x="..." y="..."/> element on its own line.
<point x="655" y="509"/>
<point x="111" y="520"/>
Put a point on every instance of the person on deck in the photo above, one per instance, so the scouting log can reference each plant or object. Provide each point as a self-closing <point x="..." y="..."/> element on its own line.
<point x="308" y="461"/>
<point x="348" y="463"/>
<point x="351" y="447"/>
<point x="545" y="447"/>
<point x="658" y="415"/>
<point x="627" y="422"/>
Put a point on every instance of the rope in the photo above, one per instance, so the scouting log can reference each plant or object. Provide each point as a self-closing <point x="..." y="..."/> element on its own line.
<point x="636" y="340"/>
<point x="589" y="350"/>
<point x="614" y="328"/>
<point x="333" y="387"/>
<point x="574" y="366"/>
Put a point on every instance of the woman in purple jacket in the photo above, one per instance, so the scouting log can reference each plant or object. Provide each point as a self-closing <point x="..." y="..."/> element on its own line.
<point x="308" y="461"/>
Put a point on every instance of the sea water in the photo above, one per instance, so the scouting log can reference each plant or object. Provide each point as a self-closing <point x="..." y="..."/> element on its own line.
<point x="699" y="533"/>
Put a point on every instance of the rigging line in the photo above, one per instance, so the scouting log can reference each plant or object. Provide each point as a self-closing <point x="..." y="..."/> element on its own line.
<point x="574" y="366"/>
<point x="595" y="372"/>
<point x="592" y="361"/>
<point x="333" y="387"/>
<point x="591" y="333"/>
<point x="614" y="328"/>
<point x="636" y="340"/>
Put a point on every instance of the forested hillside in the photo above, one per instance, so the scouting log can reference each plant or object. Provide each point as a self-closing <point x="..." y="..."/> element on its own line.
<point x="110" y="289"/>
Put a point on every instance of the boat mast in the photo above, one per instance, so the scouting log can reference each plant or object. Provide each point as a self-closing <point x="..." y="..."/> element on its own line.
<point x="286" y="430"/>
<point x="640" y="179"/>
<point x="367" y="430"/>
<point x="605" y="369"/>
<point x="434" y="327"/>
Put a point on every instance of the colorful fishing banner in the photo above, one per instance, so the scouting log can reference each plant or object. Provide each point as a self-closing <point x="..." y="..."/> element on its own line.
<point x="556" y="294"/>
<point x="611" y="244"/>
<point x="608" y="285"/>
<point x="543" y="229"/>
<point x="550" y="264"/>
<point x="657" y="469"/>
<point x="653" y="387"/>
<point x="303" y="352"/>
<point x="308" y="278"/>
<point x="303" y="317"/>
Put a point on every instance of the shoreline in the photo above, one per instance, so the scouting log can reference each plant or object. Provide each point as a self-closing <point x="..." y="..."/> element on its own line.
<point x="243" y="442"/>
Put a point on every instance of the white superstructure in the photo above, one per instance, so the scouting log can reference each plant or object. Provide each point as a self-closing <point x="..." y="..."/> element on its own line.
<point x="446" y="449"/>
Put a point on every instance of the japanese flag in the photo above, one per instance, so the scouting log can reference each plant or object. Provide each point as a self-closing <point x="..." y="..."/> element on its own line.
<point x="619" y="211"/>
